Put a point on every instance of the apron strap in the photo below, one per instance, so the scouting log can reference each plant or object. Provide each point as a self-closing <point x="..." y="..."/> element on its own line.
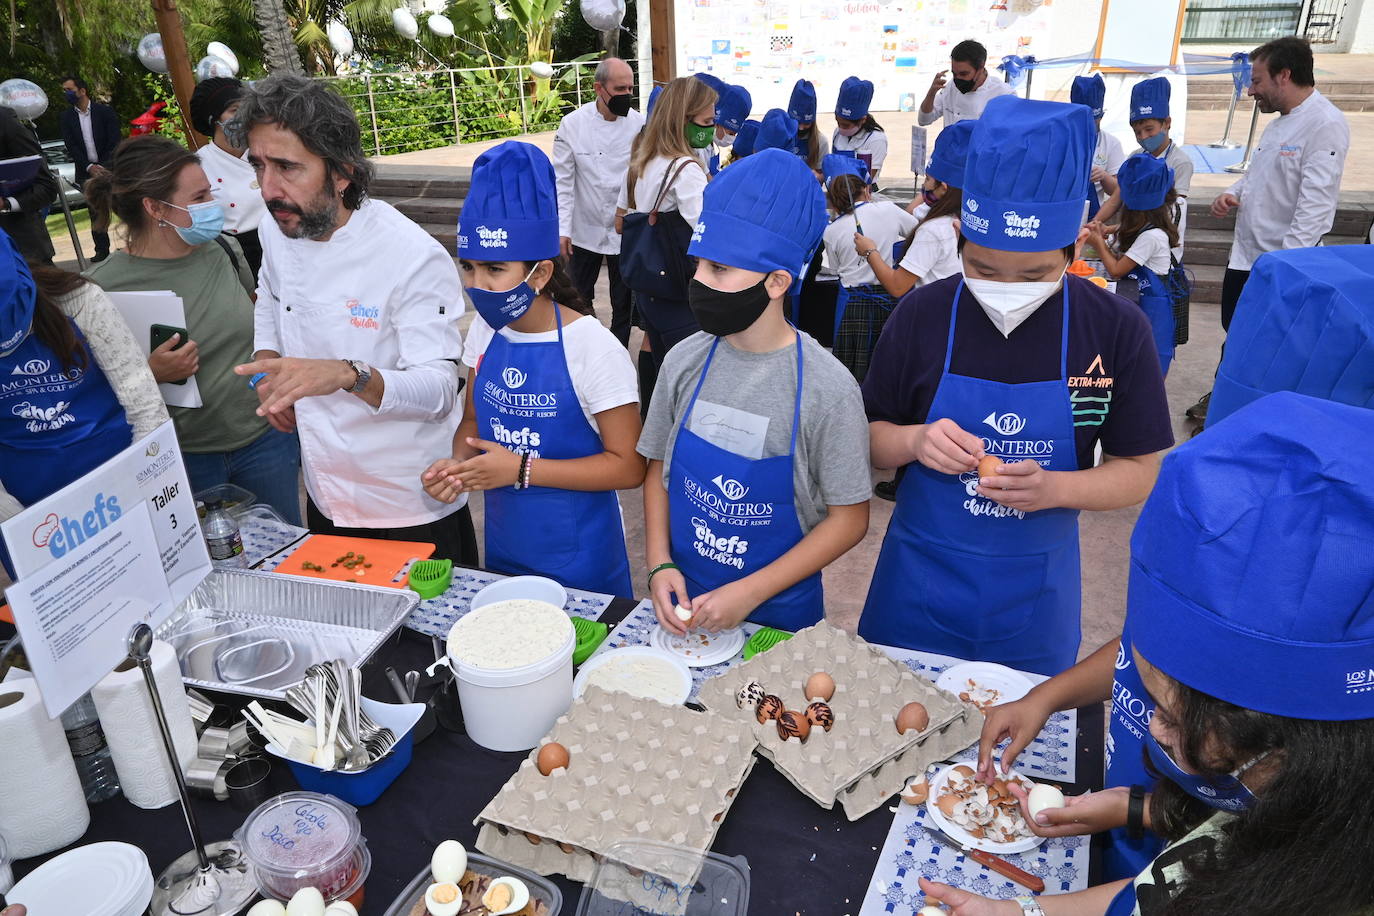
<point x="701" y="380"/>
<point x="796" y="410"/>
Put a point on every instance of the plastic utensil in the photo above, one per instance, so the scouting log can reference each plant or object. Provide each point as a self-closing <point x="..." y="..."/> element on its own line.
<point x="431" y="578"/>
<point x="589" y="635"/>
<point x="765" y="639"/>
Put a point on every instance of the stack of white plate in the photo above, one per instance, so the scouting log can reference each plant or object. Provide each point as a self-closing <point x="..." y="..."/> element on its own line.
<point x="102" y="879"/>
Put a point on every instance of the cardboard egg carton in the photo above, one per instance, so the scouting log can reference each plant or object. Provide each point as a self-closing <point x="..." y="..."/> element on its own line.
<point x="862" y="760"/>
<point x="637" y="770"/>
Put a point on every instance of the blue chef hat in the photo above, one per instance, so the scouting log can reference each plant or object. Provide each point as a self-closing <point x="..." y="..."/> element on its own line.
<point x="833" y="165"/>
<point x="951" y="153"/>
<point x="802" y="106"/>
<point x="763" y="213"/>
<point x="1027" y="174"/>
<point x="854" y="99"/>
<point x="732" y="108"/>
<point x="17" y="295"/>
<point x="714" y="82"/>
<point x="1090" y="91"/>
<point x="511" y="210"/>
<point x="746" y="138"/>
<point x="1304" y="324"/>
<point x="1252" y="577"/>
<point x="653" y="97"/>
<point x="1150" y="99"/>
<point x="776" y="132"/>
<point x="1145" y="181"/>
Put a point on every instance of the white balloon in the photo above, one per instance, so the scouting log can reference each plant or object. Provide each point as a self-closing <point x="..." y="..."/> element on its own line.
<point x="541" y="70"/>
<point x="340" y="39"/>
<point x="603" y="15"/>
<point x="150" y="53"/>
<point x="440" y="25"/>
<point x="403" y="21"/>
<point x="221" y="50"/>
<point x="28" y="99"/>
<point x="212" y="66"/>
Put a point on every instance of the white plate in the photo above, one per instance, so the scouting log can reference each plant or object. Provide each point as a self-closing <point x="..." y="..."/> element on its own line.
<point x="699" y="649"/>
<point x="937" y="784"/>
<point x="1009" y="683"/>
<point x="679" y="668"/>
<point x="101" y="879"/>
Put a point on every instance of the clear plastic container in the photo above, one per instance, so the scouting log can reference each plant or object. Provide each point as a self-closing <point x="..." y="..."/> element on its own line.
<point x="543" y="892"/>
<point x="90" y="751"/>
<point x="654" y="877"/>
<point x="304" y="839"/>
<point x="222" y="538"/>
<point x="235" y="499"/>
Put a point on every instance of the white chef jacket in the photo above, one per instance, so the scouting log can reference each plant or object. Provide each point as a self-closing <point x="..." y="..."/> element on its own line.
<point x="380" y="290"/>
<point x="87" y="133"/>
<point x="1288" y="197"/>
<point x="590" y="158"/>
<point x="955" y="106"/>
<point x="234" y="184"/>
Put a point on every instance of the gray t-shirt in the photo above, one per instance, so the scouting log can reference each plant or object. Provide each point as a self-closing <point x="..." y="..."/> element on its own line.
<point x="747" y="405"/>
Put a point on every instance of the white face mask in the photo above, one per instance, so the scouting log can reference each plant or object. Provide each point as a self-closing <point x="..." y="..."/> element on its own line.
<point x="726" y="142"/>
<point x="1009" y="304"/>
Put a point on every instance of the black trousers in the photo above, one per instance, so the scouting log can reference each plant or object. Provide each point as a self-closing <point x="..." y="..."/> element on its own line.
<point x="586" y="266"/>
<point x="666" y="323"/>
<point x="1231" y="286"/>
<point x="453" y="536"/>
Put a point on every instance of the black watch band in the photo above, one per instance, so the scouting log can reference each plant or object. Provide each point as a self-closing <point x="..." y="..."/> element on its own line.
<point x="1135" y="813"/>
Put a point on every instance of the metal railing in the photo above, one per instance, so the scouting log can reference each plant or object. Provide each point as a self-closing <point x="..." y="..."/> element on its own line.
<point x="424" y="109"/>
<point x="1226" y="21"/>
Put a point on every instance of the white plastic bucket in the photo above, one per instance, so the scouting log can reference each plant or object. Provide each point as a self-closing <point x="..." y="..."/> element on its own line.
<point x="534" y="588"/>
<point x="510" y="709"/>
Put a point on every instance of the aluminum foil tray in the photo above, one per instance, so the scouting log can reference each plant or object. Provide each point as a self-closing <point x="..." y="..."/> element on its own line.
<point x="255" y="633"/>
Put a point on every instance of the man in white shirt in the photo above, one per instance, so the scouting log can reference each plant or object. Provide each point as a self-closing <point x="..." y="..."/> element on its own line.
<point x="90" y="131"/>
<point x="1288" y="197"/>
<point x="591" y="154"/>
<point x="354" y="329"/>
<point x="971" y="90"/>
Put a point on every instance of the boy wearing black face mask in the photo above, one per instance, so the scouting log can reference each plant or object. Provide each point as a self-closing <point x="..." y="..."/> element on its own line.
<point x="971" y="90"/>
<point x="756" y="439"/>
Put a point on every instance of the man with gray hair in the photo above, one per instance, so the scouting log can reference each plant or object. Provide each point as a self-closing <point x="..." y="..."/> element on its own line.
<point x="354" y="329"/>
<point x="591" y="154"/>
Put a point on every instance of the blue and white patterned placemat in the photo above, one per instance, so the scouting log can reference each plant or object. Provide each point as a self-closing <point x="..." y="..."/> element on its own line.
<point x="264" y="534"/>
<point x="912" y="852"/>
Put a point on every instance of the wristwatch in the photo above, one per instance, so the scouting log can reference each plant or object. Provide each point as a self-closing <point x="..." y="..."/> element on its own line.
<point x="1030" y="906"/>
<point x="363" y="372"/>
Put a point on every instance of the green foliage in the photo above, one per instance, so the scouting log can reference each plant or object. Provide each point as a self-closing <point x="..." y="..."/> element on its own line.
<point x="158" y="88"/>
<point x="573" y="38"/>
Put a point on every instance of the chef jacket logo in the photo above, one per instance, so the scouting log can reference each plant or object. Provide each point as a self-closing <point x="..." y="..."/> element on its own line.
<point x="363" y="316"/>
<point x="513" y="377"/>
<point x="1008" y="424"/>
<point x="152" y="450"/>
<point x="733" y="489"/>
<point x="60" y="535"/>
<point x="492" y="238"/>
<point x="1018" y="226"/>
<point x="33" y="367"/>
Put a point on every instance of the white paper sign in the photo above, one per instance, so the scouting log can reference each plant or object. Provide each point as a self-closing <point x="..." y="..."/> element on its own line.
<point x="142" y="310"/>
<point x="918" y="150"/>
<point x="75" y="615"/>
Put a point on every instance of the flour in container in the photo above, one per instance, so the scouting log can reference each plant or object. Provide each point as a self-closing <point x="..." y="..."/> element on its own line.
<point x="640" y="676"/>
<point x="509" y="634"/>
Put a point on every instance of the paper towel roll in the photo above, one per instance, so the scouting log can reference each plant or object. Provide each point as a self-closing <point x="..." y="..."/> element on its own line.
<point x="42" y="807"/>
<point x="126" y="715"/>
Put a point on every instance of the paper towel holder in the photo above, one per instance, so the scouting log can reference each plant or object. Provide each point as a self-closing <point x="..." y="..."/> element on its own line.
<point x="210" y="880"/>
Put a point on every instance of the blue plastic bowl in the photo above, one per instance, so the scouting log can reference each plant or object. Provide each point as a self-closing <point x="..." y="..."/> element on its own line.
<point x="363" y="787"/>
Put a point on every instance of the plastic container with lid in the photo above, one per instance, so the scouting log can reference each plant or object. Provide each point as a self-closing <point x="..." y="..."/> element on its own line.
<point x="305" y="839"/>
<point x="633" y="872"/>
<point x="543" y="892"/>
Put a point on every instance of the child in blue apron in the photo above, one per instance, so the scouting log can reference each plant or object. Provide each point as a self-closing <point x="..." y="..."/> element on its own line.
<point x="862" y="305"/>
<point x="551" y="412"/>
<point x="732" y="110"/>
<point x="758" y="470"/>
<point x="1144" y="239"/>
<point x="1250" y="622"/>
<point x="1107" y="154"/>
<point x="1013" y="361"/>
<point x="801" y="107"/>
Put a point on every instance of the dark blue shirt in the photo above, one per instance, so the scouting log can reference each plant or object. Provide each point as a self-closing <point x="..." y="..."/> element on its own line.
<point x="1114" y="376"/>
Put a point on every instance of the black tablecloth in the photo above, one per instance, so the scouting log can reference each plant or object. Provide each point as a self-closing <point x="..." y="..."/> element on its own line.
<point x="450" y="779"/>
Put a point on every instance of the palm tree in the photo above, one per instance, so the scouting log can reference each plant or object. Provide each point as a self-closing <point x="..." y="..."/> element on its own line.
<point x="278" y="44"/>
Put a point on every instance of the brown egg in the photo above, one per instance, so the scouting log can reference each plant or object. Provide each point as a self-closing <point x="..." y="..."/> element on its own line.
<point x="552" y="756"/>
<point x="912" y="718"/>
<point x="820" y="686"/>
<point x="793" y="725"/>
<point x="947" y="804"/>
<point x="821" y="715"/>
<point x="987" y="466"/>
<point x="769" y="708"/>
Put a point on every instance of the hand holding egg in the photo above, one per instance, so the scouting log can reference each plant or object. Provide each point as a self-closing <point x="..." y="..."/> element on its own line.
<point x="1080" y="815"/>
<point x="1023" y="485"/>
<point x="943" y="446"/>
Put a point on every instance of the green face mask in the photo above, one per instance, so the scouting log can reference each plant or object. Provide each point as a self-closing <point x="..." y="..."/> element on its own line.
<point x="699" y="137"/>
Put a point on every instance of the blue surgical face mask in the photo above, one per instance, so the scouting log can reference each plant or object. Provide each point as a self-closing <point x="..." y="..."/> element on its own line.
<point x="1154" y="144"/>
<point x="70" y="95"/>
<point x="207" y="219"/>
<point x="1226" y="793"/>
<point x="499" y="308"/>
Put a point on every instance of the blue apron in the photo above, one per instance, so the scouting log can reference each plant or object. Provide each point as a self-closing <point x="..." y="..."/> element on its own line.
<point x="960" y="575"/>
<point x="1154" y="301"/>
<point x="525" y="400"/>
<point x="1131" y="711"/>
<point x="1123" y="904"/>
<point x="54" y="427"/>
<point x="730" y="516"/>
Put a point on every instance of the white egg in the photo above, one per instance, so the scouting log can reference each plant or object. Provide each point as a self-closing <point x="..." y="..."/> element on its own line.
<point x="1043" y="796"/>
<point x="436" y="903"/>
<point x="307" y="901"/>
<point x="449" y="862"/>
<point x="682" y="613"/>
<point x="341" y="908"/>
<point x="267" y="908"/>
<point x="519" y="896"/>
<point x="931" y="911"/>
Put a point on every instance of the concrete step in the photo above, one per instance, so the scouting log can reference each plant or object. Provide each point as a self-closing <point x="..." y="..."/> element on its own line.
<point x="1213" y="246"/>
<point x="1348" y="103"/>
<point x="1206" y="283"/>
<point x="1353" y="220"/>
<point x="445" y="234"/>
<point x="1222" y="84"/>
<point x="429" y="209"/>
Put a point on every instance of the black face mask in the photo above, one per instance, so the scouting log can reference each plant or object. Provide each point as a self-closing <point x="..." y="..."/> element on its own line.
<point x="964" y="86"/>
<point x="619" y="105"/>
<point x="723" y="314"/>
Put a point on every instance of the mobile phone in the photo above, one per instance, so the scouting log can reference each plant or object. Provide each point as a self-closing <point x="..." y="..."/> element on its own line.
<point x="159" y="334"/>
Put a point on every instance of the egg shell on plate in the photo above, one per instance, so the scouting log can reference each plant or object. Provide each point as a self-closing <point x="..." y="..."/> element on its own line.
<point x="307" y="901"/>
<point x="443" y="899"/>
<point x="948" y="804"/>
<point x="519" y="896"/>
<point x="1044" y="796"/>
<point x="267" y="908"/>
<point x="449" y="862"/>
<point x="820" y="687"/>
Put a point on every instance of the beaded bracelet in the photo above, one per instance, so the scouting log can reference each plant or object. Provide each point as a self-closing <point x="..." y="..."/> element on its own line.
<point x="527" y="468"/>
<point x="522" y="475"/>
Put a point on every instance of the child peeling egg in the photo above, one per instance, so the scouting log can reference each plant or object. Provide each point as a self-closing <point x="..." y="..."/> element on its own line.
<point x="1041" y="797"/>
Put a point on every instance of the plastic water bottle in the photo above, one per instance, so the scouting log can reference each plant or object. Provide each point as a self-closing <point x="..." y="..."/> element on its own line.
<point x="223" y="538"/>
<point x="90" y="751"/>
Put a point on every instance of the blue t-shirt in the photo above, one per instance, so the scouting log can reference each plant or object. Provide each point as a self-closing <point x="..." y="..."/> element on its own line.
<point x="1114" y="376"/>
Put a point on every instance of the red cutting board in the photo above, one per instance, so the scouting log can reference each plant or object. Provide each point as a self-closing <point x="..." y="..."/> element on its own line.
<point x="388" y="558"/>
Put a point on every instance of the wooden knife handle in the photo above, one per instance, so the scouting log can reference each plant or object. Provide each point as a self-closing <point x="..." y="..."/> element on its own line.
<point x="1007" y="870"/>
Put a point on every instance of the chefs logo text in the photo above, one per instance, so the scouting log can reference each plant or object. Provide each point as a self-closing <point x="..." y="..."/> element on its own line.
<point x="61" y="534"/>
<point x="492" y="238"/>
<point x="363" y="316"/>
<point x="1021" y="227"/>
<point x="726" y="551"/>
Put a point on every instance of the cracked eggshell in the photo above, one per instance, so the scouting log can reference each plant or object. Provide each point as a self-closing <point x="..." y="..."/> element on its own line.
<point x="916" y="792"/>
<point x="449" y="862"/>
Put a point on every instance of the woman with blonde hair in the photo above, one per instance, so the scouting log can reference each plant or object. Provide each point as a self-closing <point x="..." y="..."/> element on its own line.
<point x="659" y="207"/>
